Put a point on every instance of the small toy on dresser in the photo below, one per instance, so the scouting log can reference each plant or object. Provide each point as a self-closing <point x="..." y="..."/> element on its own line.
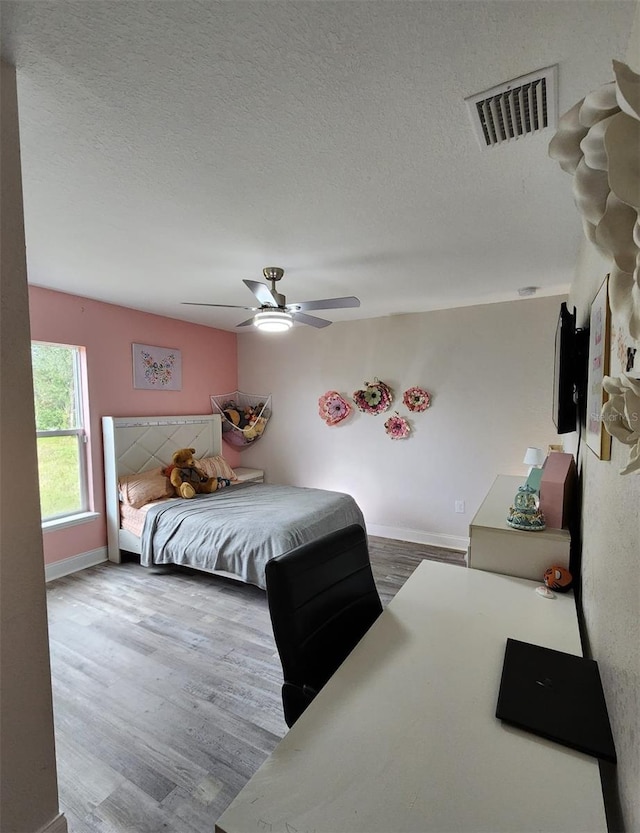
<point x="187" y="479"/>
<point x="558" y="578"/>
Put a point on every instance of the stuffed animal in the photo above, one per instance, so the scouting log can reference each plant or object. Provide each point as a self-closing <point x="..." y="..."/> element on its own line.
<point x="255" y="428"/>
<point x="232" y="415"/>
<point x="186" y="478"/>
<point x="558" y="578"/>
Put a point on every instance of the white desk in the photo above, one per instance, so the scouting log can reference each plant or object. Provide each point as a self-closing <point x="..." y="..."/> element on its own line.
<point x="404" y="738"/>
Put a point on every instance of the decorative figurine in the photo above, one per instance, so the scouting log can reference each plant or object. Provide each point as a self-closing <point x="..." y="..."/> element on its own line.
<point x="525" y="513"/>
<point x="558" y="578"/>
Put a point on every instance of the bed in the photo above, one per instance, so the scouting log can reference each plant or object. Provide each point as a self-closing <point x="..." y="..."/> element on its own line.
<point x="232" y="532"/>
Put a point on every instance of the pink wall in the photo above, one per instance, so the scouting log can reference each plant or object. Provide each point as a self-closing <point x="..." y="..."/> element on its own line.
<point x="209" y="365"/>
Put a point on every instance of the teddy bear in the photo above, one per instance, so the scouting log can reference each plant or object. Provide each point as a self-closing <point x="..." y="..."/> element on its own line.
<point x="187" y="479"/>
<point x="255" y="428"/>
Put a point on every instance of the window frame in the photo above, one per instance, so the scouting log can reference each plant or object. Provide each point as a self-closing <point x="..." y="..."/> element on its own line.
<point x="84" y="510"/>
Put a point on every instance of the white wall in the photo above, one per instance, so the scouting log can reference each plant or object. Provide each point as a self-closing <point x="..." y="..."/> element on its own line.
<point x="611" y="576"/>
<point x="29" y="799"/>
<point x="490" y="371"/>
<point x="611" y="552"/>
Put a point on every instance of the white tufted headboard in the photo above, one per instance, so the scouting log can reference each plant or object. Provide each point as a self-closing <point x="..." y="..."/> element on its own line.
<point x="134" y="444"/>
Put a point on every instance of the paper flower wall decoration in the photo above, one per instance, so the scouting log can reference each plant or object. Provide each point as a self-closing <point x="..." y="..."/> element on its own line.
<point x="621" y="415"/>
<point x="374" y="398"/>
<point x="416" y="399"/>
<point x="333" y="408"/>
<point x="397" y="427"/>
<point x="597" y="143"/>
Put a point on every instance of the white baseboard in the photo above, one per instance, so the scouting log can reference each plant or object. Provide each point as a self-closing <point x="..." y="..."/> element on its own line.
<point x="416" y="536"/>
<point x="66" y="566"/>
<point x="57" y="824"/>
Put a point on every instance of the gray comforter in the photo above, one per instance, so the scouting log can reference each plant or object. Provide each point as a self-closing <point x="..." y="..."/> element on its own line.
<point x="238" y="529"/>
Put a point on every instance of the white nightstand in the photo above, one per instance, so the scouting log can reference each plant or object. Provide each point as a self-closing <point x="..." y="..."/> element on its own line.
<point x="250" y="475"/>
<point x="496" y="547"/>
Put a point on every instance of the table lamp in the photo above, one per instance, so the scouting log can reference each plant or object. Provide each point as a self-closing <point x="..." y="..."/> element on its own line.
<point x="533" y="458"/>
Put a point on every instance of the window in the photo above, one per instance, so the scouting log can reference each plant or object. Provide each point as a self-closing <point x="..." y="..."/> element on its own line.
<point x="60" y="429"/>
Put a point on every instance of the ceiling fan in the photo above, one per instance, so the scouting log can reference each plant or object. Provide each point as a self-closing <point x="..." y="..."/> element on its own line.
<point x="274" y="314"/>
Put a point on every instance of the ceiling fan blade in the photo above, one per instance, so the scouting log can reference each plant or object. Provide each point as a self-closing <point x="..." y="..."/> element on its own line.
<point x="224" y="306"/>
<point x="310" y="319"/>
<point x="262" y="293"/>
<point x="328" y="303"/>
<point x="245" y="323"/>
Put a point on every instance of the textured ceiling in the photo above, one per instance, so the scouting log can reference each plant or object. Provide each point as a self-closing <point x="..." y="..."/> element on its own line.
<point x="172" y="148"/>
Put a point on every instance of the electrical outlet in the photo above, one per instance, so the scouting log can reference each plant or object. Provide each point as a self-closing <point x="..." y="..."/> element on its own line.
<point x="460" y="506"/>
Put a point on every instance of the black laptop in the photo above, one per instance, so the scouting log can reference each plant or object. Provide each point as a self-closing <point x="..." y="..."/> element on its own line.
<point x="556" y="695"/>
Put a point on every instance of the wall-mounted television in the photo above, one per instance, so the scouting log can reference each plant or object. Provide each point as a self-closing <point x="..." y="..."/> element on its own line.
<point x="570" y="371"/>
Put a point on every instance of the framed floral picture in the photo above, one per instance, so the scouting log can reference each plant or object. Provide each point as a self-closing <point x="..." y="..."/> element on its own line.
<point x="598" y="440"/>
<point x="156" y="368"/>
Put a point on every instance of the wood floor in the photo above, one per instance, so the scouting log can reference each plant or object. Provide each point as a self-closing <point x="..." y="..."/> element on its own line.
<point x="166" y="688"/>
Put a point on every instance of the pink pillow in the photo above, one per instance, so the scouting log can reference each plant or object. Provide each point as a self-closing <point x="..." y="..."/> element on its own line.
<point x="216" y="467"/>
<point x="143" y="487"/>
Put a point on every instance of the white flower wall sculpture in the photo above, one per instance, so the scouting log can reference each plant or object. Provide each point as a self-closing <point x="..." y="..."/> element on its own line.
<point x="621" y="415"/>
<point x="598" y="142"/>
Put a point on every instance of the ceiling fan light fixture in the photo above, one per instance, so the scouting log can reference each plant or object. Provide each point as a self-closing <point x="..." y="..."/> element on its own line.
<point x="274" y="315"/>
<point x="273" y="321"/>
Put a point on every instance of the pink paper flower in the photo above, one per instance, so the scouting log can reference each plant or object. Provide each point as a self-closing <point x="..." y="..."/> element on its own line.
<point x="397" y="427"/>
<point x="333" y="408"/>
<point x="374" y="398"/>
<point x="416" y="399"/>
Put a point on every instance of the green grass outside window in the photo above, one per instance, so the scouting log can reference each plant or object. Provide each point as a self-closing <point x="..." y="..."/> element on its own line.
<point x="58" y="467"/>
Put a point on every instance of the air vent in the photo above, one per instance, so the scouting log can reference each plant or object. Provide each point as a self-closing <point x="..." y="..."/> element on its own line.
<point x="516" y="108"/>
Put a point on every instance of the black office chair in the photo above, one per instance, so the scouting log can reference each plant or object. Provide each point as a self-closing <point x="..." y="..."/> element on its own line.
<point x="322" y="600"/>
